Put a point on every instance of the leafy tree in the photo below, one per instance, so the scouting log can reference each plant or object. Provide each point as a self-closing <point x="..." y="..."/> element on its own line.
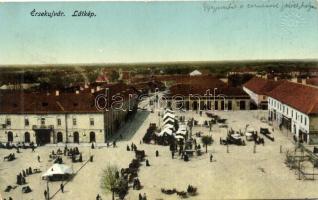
<point x="206" y="140"/>
<point x="114" y="75"/>
<point x="109" y="181"/>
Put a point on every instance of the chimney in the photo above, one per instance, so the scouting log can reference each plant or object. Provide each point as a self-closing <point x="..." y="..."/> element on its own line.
<point x="57" y="93"/>
<point x="76" y="92"/>
<point x="97" y="88"/>
<point x="92" y="90"/>
<point x="303" y="81"/>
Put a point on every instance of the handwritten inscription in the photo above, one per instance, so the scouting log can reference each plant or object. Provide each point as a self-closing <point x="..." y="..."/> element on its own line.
<point x="60" y="13"/>
<point x="214" y="6"/>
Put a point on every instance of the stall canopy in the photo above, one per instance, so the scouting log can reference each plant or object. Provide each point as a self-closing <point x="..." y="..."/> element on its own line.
<point x="58" y="169"/>
<point x="181" y="132"/>
<point x="169" y="126"/>
<point x="168" y="120"/>
<point x="178" y="137"/>
<point x="169" y="115"/>
<point x="165" y="131"/>
<point x="168" y="111"/>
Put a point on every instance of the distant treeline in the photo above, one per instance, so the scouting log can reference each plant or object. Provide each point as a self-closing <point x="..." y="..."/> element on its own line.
<point x="63" y="75"/>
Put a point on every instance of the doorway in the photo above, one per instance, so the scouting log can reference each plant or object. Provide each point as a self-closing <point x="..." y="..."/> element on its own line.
<point x="43" y="136"/>
<point x="92" y="137"/>
<point x="76" y="137"/>
<point x="27" y="137"/>
<point x="10" y="136"/>
<point x="59" y="137"/>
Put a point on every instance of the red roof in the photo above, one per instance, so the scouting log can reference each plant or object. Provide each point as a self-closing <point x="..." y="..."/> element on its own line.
<point x="261" y="86"/>
<point x="17" y="102"/>
<point x="197" y="89"/>
<point x="312" y="81"/>
<point x="301" y="97"/>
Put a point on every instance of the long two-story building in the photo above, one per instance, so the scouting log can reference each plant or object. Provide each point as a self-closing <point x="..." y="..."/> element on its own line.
<point x="54" y="117"/>
<point x="294" y="107"/>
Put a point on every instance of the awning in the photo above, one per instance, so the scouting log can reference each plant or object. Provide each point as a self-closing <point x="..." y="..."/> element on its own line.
<point x="58" y="169"/>
<point x="168" y="120"/>
<point x="166" y="131"/>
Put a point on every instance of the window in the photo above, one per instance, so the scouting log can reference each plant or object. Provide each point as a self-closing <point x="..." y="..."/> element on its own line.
<point x="42" y="121"/>
<point x="292" y="113"/>
<point x="8" y="122"/>
<point x="91" y="121"/>
<point x="287" y="110"/>
<point x="74" y="121"/>
<point x="301" y="119"/>
<point x="59" y="123"/>
<point x="26" y="122"/>
<point x="305" y="121"/>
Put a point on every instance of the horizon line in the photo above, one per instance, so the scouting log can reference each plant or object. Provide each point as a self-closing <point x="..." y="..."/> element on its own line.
<point x="158" y="62"/>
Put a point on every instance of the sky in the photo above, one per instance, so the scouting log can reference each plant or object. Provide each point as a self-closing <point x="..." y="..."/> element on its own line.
<point x="130" y="32"/>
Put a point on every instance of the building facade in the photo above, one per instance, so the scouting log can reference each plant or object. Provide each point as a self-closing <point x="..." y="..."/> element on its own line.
<point x="209" y="95"/>
<point x="64" y="117"/>
<point x="294" y="107"/>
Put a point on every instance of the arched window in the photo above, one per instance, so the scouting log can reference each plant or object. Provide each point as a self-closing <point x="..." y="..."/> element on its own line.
<point x="27" y="137"/>
<point x="10" y="136"/>
<point x="76" y="137"/>
<point x="92" y="137"/>
<point x="59" y="137"/>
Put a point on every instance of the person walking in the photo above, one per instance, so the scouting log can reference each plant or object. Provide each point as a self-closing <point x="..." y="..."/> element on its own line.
<point x="144" y="197"/>
<point x="211" y="158"/>
<point x="45" y="194"/>
<point x="39" y="159"/>
<point x="62" y="187"/>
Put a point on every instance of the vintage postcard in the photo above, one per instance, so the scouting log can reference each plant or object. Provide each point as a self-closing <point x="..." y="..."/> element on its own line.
<point x="159" y="100"/>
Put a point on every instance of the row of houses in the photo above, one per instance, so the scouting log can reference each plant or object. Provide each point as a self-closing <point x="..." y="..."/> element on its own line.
<point x="205" y="92"/>
<point x="291" y="106"/>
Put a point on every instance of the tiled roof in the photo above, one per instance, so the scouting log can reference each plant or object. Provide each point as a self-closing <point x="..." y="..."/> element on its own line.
<point x="43" y="103"/>
<point x="19" y="102"/>
<point x="301" y="97"/>
<point x="261" y="86"/>
<point x="198" y="89"/>
<point x="312" y="81"/>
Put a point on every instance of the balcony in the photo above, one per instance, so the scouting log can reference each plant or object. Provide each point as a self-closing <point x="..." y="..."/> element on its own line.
<point x="38" y="127"/>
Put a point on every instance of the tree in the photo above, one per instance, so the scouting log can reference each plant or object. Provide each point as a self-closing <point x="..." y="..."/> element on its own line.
<point x="109" y="182"/>
<point x="114" y="76"/>
<point x="206" y="140"/>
